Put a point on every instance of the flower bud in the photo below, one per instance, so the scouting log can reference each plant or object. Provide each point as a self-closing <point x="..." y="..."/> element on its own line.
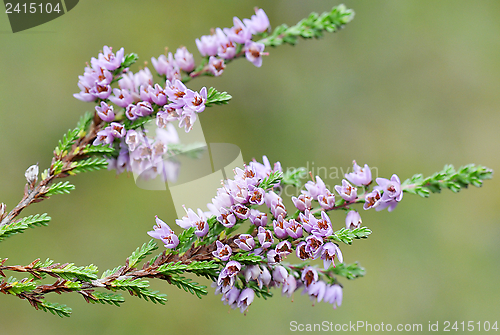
<point x="31" y="174"/>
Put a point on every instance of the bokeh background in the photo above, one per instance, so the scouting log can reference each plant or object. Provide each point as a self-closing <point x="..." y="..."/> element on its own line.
<point x="407" y="87"/>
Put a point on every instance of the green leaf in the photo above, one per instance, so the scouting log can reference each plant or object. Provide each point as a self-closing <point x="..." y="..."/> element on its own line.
<point x="84" y="123"/>
<point x="311" y="27"/>
<point x="109" y="272"/>
<point x="87" y="165"/>
<point x="293" y="176"/>
<point x="129" y="59"/>
<point x="346" y="236"/>
<point x="349" y="271"/>
<point x="188" y="285"/>
<point x="207" y="269"/>
<point x="272" y="180"/>
<point x="246" y="258"/>
<point x="107" y="298"/>
<point x="70" y="271"/>
<point x="23" y="224"/>
<point x="54" y="308"/>
<point x="59" y="188"/>
<point x="98" y="149"/>
<point x="186" y="240"/>
<point x="138" y="288"/>
<point x="172" y="268"/>
<point x="21" y="286"/>
<point x="141" y="252"/>
<point x="67" y="141"/>
<point x="217" y="98"/>
<point x="449" y="178"/>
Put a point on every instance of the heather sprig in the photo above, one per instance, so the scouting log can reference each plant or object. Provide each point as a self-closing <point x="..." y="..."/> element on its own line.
<point x="248" y="241"/>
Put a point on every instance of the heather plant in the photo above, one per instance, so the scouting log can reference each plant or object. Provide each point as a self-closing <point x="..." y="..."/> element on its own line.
<point x="246" y="242"/>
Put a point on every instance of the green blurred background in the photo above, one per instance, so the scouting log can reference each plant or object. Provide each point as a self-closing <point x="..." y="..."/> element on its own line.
<point x="407" y="87"/>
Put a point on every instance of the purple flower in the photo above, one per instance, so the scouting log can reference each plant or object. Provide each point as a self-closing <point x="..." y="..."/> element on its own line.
<point x="305" y="218"/>
<point x="293" y="229"/>
<point x="162" y="65"/>
<point x="333" y="295"/>
<point x="265" y="277"/>
<point x="254" y="52"/>
<point x="301" y="251"/>
<point x="284" y="248"/>
<point x="326" y="201"/>
<point x="117" y="129"/>
<point x="330" y="250"/>
<point x="245" y="299"/>
<point x="303" y="202"/>
<point x="84" y="94"/>
<point x="143" y="108"/>
<point x="231" y="297"/>
<point x="103" y="137"/>
<point x="158" y="96"/>
<point x="163" y="232"/>
<point x="105" y="112"/>
<point x="247" y="176"/>
<point x="188" y="118"/>
<point x="279" y="227"/>
<point x="223" y="251"/>
<point x="239" y="33"/>
<point x="226" y="48"/>
<point x="314" y="189"/>
<point x="360" y="176"/>
<point x="176" y="91"/>
<point x="245" y="242"/>
<point x="323" y="226"/>
<point x="317" y="290"/>
<point x="192" y="220"/>
<point x="353" y="220"/>
<point x="238" y="190"/>
<point x="226" y="218"/>
<point x="289" y="286"/>
<point x="372" y="199"/>
<point x="258" y="23"/>
<point x="392" y="193"/>
<point x="264" y="170"/>
<point x="347" y="191"/>
<point x="196" y="101"/>
<point x="309" y="276"/>
<point x="265" y="237"/>
<point x="271" y="197"/>
<point x="258" y="218"/>
<point x="313" y="245"/>
<point x="273" y="257"/>
<point x="121" y="98"/>
<point x="101" y="91"/>
<point x="252" y="272"/>
<point x="207" y="45"/>
<point x="241" y="211"/>
<point x="109" y="60"/>
<point x="232" y="268"/>
<point x="184" y="59"/>
<point x="280" y="274"/>
<point x="278" y="209"/>
<point x="167" y="115"/>
<point x="216" y="66"/>
<point x="130" y="112"/>
<point x="256" y="195"/>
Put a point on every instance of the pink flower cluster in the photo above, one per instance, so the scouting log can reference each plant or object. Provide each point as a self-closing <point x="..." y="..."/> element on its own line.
<point x="224" y="43"/>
